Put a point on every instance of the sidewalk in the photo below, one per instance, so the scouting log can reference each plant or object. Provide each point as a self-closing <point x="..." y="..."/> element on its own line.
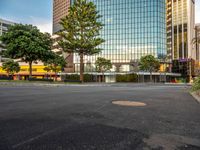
<point x="196" y="95"/>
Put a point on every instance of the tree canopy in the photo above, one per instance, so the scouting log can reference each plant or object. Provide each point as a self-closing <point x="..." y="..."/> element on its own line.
<point x="55" y="64"/>
<point x="150" y="64"/>
<point x="1" y="45"/>
<point x="103" y="65"/>
<point x="27" y="43"/>
<point x="11" y="67"/>
<point x="81" y="30"/>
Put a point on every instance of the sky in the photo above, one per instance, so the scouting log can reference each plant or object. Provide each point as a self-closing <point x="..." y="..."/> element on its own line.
<point x="39" y="12"/>
<point x="36" y="12"/>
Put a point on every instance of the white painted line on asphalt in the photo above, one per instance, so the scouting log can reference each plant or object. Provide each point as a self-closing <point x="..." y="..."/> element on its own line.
<point x="34" y="138"/>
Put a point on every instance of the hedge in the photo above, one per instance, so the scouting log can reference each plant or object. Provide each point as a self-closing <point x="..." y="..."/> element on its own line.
<point x="76" y="77"/>
<point x="6" y="78"/>
<point x="127" y="78"/>
<point x="37" y="79"/>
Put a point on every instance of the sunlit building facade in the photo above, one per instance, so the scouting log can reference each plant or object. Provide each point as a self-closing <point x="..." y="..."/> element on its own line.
<point x="180" y="28"/>
<point x="132" y="29"/>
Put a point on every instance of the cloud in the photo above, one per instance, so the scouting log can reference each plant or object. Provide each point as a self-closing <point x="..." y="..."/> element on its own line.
<point x="43" y="24"/>
<point x="197" y="18"/>
<point x="44" y="27"/>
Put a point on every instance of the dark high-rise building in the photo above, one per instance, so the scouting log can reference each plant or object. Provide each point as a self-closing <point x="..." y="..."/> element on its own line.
<point x="60" y="9"/>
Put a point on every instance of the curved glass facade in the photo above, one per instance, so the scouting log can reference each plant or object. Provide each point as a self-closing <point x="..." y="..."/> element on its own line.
<point x="133" y="28"/>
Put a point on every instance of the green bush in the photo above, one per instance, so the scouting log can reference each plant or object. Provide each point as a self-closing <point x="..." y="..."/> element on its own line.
<point x="127" y="78"/>
<point x="87" y="77"/>
<point x="196" y="84"/>
<point x="43" y="80"/>
<point x="72" y="77"/>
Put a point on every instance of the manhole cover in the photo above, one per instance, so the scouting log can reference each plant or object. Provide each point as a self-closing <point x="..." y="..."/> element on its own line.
<point x="128" y="103"/>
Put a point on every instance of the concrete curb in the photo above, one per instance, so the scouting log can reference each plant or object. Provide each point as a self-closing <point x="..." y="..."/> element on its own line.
<point x="186" y="84"/>
<point x="52" y="85"/>
<point x="196" y="96"/>
<point x="87" y="84"/>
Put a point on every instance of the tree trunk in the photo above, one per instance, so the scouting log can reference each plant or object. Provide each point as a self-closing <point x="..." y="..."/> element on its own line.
<point x="8" y="73"/>
<point x="151" y="79"/>
<point x="99" y="78"/>
<point x="55" y="76"/>
<point x="103" y="77"/>
<point x="30" y="69"/>
<point x="81" y="68"/>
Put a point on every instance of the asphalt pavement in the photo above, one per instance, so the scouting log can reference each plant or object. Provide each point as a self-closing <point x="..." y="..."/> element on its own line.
<point x="84" y="118"/>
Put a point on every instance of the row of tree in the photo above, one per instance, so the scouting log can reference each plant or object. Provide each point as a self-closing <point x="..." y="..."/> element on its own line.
<point x="52" y="65"/>
<point x="27" y="43"/>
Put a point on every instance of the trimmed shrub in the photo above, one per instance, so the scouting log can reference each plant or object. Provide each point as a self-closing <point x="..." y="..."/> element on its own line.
<point x="127" y="78"/>
<point x="76" y="77"/>
<point x="37" y="79"/>
<point x="72" y="77"/>
<point x="88" y="78"/>
<point x="6" y="78"/>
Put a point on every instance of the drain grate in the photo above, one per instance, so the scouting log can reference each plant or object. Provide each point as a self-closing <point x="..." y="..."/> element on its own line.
<point x="128" y="103"/>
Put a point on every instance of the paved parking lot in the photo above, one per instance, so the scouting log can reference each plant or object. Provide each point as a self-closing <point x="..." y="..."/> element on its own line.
<point x="84" y="118"/>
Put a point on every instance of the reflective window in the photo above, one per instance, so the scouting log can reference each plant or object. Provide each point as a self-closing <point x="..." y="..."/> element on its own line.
<point x="133" y="28"/>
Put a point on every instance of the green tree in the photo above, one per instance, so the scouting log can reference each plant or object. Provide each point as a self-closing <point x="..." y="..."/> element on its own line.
<point x="55" y="64"/>
<point x="1" y="45"/>
<point x="150" y="64"/>
<point x="27" y="43"/>
<point x="11" y="67"/>
<point x="81" y="28"/>
<point x="47" y="69"/>
<point x="103" y="65"/>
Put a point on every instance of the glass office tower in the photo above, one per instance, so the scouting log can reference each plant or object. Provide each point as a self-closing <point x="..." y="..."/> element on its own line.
<point x="133" y="28"/>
